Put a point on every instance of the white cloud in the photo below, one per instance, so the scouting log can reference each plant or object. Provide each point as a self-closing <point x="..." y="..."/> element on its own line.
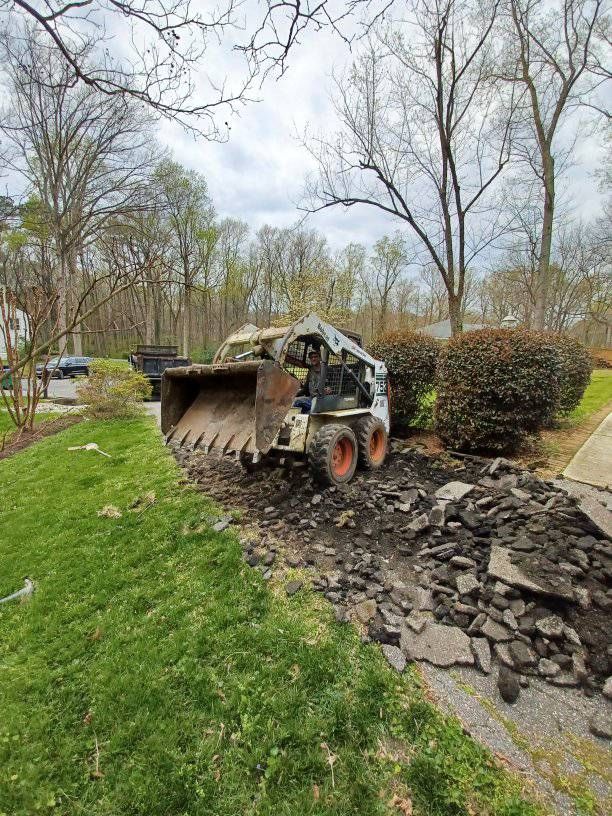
<point x="259" y="174"/>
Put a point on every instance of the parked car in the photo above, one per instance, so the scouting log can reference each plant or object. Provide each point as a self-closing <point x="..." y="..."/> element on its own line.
<point x="66" y="367"/>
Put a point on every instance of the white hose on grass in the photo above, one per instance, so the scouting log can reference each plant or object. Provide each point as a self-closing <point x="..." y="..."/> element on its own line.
<point x="27" y="589"/>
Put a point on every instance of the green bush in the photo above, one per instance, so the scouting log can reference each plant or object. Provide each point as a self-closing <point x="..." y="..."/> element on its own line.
<point x="494" y="386"/>
<point x="202" y="354"/>
<point x="113" y="390"/>
<point x="411" y="360"/>
<point x="576" y="366"/>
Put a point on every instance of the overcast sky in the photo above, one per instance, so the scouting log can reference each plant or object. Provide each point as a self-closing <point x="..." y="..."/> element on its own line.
<point x="259" y="174"/>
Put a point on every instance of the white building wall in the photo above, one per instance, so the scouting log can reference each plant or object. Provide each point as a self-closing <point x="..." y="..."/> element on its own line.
<point x="18" y="331"/>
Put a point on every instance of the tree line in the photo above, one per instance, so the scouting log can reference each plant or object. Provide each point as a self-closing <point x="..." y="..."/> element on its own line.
<point x="458" y="123"/>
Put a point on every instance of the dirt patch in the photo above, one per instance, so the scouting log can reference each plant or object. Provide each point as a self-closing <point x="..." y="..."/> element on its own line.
<point x="555" y="448"/>
<point x="417" y="539"/>
<point x="47" y="428"/>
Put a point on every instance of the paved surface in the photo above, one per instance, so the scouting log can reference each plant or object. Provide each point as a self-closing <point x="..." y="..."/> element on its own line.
<point x="154" y="409"/>
<point x="66" y="389"/>
<point x="544" y="735"/>
<point x="593" y="462"/>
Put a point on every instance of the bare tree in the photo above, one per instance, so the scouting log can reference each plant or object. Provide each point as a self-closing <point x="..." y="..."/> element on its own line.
<point x="421" y="136"/>
<point x="27" y="286"/>
<point x="552" y="58"/>
<point x="381" y="277"/>
<point x="85" y="160"/>
<point x="38" y="310"/>
<point x="147" y="238"/>
<point x="164" y="44"/>
<point x="190" y="216"/>
<point x="349" y="265"/>
<point x="434" y="306"/>
<point x="235" y="284"/>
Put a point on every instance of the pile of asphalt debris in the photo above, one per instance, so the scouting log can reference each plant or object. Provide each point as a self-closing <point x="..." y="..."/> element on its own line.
<point x="454" y="561"/>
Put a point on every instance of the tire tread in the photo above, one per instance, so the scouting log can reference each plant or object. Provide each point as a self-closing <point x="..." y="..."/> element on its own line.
<point x="363" y="431"/>
<point x="318" y="453"/>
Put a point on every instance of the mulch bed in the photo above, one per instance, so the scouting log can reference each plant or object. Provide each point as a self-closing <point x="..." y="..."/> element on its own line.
<point x="48" y="428"/>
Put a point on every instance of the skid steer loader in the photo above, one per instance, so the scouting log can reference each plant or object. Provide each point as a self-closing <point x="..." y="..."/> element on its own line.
<point x="243" y="403"/>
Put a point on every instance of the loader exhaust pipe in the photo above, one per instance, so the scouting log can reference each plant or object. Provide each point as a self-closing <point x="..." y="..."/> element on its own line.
<point x="237" y="406"/>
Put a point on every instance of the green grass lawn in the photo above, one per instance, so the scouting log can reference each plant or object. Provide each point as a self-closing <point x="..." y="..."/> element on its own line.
<point x="597" y="394"/>
<point x="152" y="672"/>
<point x="5" y="423"/>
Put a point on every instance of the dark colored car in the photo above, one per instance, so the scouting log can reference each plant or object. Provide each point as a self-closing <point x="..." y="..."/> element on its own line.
<point x="66" y="367"/>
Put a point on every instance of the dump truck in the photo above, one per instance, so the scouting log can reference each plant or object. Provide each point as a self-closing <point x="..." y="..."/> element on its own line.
<point x="244" y="402"/>
<point x="154" y="360"/>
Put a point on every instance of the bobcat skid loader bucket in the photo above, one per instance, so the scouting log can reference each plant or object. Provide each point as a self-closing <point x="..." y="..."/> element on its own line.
<point x="226" y="407"/>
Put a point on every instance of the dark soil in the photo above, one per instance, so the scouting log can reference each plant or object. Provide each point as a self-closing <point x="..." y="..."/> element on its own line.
<point x="378" y="539"/>
<point x="47" y="428"/>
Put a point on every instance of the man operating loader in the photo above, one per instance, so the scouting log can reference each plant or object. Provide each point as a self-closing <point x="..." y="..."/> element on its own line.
<point x="310" y="388"/>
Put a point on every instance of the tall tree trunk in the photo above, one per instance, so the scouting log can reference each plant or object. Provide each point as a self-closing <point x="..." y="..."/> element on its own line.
<point x="74" y="295"/>
<point x="384" y="308"/>
<point x="149" y="313"/>
<point x="543" y="280"/>
<point x="76" y="334"/>
<point x="157" y="313"/>
<point x="455" y="314"/>
<point x="77" y="341"/>
<point x="186" y="320"/>
<point x="62" y="303"/>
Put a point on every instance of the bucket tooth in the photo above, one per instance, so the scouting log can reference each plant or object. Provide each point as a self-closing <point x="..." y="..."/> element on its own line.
<point x="183" y="439"/>
<point x="243" y="442"/>
<point x="209" y="437"/>
<point x="196" y="444"/>
<point x="223" y="447"/>
<point x="226" y="435"/>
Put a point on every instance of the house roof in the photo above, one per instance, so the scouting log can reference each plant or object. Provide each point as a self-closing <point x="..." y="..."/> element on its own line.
<point x="442" y="330"/>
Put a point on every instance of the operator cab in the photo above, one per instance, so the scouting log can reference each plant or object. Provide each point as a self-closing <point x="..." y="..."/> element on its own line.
<point x="345" y="380"/>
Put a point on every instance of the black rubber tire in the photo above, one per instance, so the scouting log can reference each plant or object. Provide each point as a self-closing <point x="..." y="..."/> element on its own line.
<point x="321" y="452"/>
<point x="364" y="430"/>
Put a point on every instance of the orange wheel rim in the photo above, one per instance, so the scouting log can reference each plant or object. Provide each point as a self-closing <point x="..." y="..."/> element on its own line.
<point x="377" y="445"/>
<point x="342" y="456"/>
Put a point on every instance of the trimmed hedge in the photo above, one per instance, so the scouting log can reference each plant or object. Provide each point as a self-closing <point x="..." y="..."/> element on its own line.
<point x="576" y="366"/>
<point x="494" y="386"/>
<point x="411" y="360"/>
